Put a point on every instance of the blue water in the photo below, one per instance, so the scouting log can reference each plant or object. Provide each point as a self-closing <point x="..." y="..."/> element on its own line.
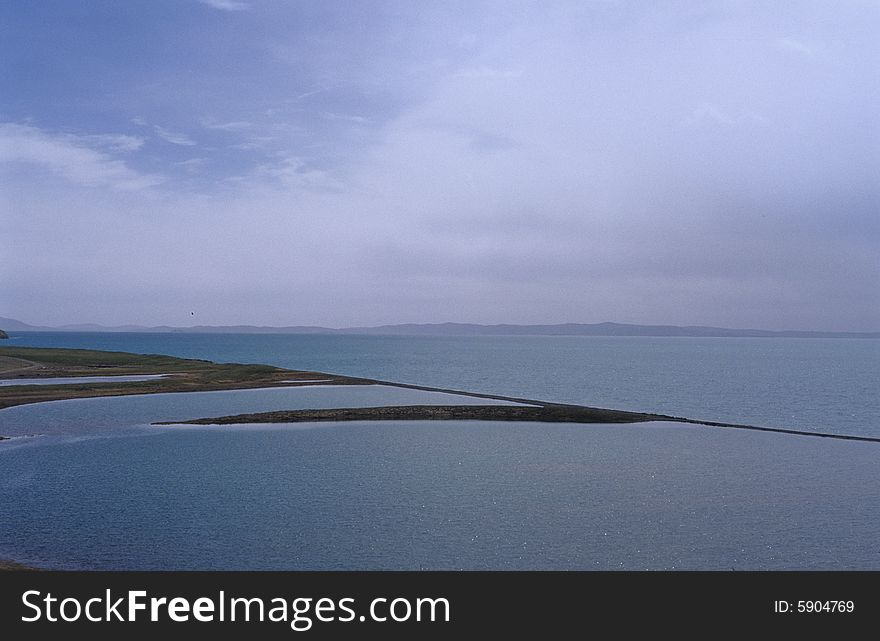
<point x="807" y="384"/>
<point x="468" y="495"/>
<point x="99" y="488"/>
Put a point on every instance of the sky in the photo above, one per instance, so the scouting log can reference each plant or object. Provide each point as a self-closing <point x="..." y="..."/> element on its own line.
<point x="359" y="163"/>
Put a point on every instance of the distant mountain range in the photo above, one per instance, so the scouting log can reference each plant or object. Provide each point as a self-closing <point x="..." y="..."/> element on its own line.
<point x="453" y="329"/>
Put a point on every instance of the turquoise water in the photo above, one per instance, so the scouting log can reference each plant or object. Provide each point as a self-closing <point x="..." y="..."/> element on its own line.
<point x="99" y="488"/>
<point x="807" y="384"/>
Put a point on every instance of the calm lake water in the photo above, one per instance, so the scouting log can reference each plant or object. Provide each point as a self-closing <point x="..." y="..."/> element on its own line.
<point x="100" y="488"/>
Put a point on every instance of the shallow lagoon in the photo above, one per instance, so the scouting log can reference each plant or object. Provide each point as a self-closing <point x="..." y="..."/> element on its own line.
<point x="78" y="380"/>
<point x="85" y="416"/>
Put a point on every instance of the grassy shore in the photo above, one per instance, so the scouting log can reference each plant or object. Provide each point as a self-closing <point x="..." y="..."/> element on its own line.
<point x="184" y="374"/>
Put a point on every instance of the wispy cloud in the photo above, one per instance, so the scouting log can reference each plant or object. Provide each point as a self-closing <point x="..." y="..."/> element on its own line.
<point x="291" y="171"/>
<point x="795" y="46"/>
<point x="707" y="112"/>
<point x="117" y="142"/>
<point x="193" y="165"/>
<point x="346" y="117"/>
<point x="712" y="114"/>
<point x="256" y="142"/>
<point x="83" y="160"/>
<point x="313" y="92"/>
<point x="226" y="5"/>
<point x="173" y="137"/>
<point x="483" y="72"/>
<point x="237" y="125"/>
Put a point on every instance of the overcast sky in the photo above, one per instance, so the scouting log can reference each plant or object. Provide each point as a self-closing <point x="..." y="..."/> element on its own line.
<point x="359" y="163"/>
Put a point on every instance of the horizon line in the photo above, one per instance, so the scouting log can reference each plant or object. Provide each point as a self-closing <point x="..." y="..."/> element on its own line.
<point x="133" y="327"/>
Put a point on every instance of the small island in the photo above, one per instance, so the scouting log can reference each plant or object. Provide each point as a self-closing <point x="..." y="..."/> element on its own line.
<point x="3" y="334"/>
<point x="541" y="413"/>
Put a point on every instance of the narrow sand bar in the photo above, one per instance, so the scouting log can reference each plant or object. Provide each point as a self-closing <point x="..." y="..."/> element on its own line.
<point x="79" y="380"/>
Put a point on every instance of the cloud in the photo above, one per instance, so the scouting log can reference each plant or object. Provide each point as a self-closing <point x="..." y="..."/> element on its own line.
<point x="226" y="5"/>
<point x="118" y="142"/>
<point x="588" y="163"/>
<point x="83" y="160"/>
<point x="238" y="125"/>
<point x="174" y="137"/>
<point x="484" y="72"/>
<point x="709" y="113"/>
<point x="796" y="46"/>
<point x="346" y="118"/>
<point x="292" y="172"/>
<point x="260" y="142"/>
<point x="284" y="55"/>
<point x="193" y="165"/>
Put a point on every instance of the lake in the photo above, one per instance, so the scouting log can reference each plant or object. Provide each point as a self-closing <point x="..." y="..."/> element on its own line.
<point x="99" y="488"/>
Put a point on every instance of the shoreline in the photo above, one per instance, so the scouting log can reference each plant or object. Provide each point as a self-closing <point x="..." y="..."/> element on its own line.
<point x="194" y="375"/>
<point x="534" y="413"/>
<point x="178" y="375"/>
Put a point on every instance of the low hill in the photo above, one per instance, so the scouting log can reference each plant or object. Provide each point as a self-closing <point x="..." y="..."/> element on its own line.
<point x="457" y="329"/>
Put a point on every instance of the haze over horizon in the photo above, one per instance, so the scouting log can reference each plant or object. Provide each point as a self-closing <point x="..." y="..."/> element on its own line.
<point x="220" y="162"/>
<point x="453" y="328"/>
